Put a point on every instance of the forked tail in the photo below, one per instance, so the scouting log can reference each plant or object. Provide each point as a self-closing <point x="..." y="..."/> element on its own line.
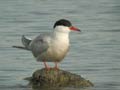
<point x="26" y="42"/>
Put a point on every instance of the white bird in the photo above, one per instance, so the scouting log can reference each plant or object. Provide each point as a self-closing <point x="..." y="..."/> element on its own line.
<point x="50" y="47"/>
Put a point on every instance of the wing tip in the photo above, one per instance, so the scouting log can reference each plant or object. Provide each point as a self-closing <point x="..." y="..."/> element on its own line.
<point x="20" y="47"/>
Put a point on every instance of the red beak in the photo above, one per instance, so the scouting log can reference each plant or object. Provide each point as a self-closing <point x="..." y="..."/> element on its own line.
<point x="74" y="28"/>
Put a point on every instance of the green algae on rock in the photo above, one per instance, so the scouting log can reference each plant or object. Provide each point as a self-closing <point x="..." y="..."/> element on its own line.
<point x="57" y="78"/>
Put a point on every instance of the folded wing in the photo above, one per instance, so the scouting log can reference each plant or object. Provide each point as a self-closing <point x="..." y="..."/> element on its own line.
<point x="39" y="45"/>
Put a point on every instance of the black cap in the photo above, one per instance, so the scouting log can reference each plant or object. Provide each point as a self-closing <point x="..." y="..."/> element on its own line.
<point x="62" y="22"/>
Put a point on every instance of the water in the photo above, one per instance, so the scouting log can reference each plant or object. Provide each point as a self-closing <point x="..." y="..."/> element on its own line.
<point x="94" y="53"/>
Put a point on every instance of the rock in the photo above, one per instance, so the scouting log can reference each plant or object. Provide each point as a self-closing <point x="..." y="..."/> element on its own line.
<point x="57" y="78"/>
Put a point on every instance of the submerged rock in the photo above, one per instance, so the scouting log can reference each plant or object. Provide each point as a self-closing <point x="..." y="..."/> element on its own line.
<point x="57" y="78"/>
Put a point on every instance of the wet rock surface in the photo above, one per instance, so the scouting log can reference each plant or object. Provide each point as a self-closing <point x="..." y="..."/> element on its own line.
<point x="57" y="78"/>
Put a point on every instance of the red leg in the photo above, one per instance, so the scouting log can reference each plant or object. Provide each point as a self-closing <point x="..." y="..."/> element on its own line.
<point x="56" y="66"/>
<point x="46" y="66"/>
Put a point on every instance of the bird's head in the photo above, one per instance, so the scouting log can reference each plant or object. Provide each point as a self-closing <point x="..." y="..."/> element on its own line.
<point x="64" y="25"/>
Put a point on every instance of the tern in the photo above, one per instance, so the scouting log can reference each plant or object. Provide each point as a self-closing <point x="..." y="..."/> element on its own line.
<point x="50" y="47"/>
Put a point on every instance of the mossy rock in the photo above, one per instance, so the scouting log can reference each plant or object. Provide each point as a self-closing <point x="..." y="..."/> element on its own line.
<point x="57" y="78"/>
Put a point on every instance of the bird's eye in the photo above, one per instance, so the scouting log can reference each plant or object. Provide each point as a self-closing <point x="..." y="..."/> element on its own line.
<point x="66" y="24"/>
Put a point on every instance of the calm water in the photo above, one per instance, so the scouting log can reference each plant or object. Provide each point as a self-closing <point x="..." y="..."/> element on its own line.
<point x="94" y="53"/>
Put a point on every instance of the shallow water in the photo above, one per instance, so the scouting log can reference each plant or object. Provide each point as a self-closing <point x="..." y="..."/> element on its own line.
<point x="94" y="53"/>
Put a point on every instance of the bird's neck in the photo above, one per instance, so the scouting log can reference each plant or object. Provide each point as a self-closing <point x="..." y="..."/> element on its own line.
<point x="61" y="36"/>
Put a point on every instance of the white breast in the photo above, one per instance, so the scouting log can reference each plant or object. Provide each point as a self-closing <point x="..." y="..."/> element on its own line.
<point x="58" y="47"/>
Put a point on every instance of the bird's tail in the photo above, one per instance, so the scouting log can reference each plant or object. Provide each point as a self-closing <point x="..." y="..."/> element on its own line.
<point x="25" y="42"/>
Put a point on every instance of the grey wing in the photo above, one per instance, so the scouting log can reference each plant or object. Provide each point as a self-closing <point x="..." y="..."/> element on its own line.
<point x="39" y="45"/>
